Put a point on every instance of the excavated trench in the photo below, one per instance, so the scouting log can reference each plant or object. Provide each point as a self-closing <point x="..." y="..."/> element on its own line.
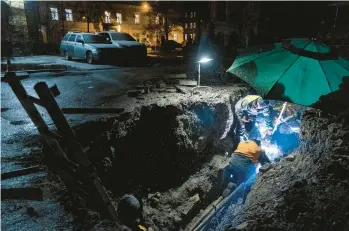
<point x="168" y="154"/>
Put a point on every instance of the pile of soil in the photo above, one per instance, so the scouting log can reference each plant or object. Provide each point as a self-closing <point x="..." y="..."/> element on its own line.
<point x="167" y="151"/>
<point x="308" y="190"/>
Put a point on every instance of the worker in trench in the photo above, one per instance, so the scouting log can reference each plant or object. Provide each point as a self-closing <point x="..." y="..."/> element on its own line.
<point x="242" y="165"/>
<point x="246" y="110"/>
<point x="286" y="135"/>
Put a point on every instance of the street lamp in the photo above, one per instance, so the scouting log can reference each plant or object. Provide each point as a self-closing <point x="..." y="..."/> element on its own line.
<point x="203" y="60"/>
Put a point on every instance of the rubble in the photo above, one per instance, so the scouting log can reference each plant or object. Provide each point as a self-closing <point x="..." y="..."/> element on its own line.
<point x="265" y="168"/>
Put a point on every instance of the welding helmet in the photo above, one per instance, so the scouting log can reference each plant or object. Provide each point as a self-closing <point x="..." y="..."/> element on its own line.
<point x="261" y="104"/>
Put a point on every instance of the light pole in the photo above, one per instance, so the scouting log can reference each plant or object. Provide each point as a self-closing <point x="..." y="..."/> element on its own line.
<point x="203" y="60"/>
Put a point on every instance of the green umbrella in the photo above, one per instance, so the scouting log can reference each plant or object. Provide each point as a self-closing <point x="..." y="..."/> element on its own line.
<point x="297" y="71"/>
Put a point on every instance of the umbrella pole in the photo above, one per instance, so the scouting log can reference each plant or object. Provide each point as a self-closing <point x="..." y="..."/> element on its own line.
<point x="279" y="118"/>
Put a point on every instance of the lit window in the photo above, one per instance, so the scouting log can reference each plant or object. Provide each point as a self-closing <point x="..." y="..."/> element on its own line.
<point x="194" y="24"/>
<point x="107" y="17"/>
<point x="118" y="28"/>
<point x="54" y="13"/>
<point x="137" y="18"/>
<point x="185" y="36"/>
<point x="175" y="37"/>
<point x="118" y="18"/>
<point x="157" y="19"/>
<point x="68" y="15"/>
<point x="193" y="36"/>
<point x="186" y="25"/>
<point x="191" y="25"/>
<point x="194" y="14"/>
<point x="191" y="14"/>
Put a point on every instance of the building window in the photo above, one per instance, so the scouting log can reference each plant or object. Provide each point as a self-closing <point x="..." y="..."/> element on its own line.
<point x="191" y="25"/>
<point x="137" y="18"/>
<point x="194" y="14"/>
<point x="191" y="14"/>
<point x="186" y="15"/>
<point x="118" y="18"/>
<point x="193" y="37"/>
<point x="175" y="37"/>
<point x="194" y="25"/>
<point x="186" y="25"/>
<point x="107" y="17"/>
<point x="118" y="28"/>
<point x="68" y="15"/>
<point x="54" y="13"/>
<point x="185" y="36"/>
<point x="157" y="20"/>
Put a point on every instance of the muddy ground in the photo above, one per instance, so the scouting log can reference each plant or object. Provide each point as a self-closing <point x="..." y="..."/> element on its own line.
<point x="167" y="149"/>
<point x="309" y="191"/>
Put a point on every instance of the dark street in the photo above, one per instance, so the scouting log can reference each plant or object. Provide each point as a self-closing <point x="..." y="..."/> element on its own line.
<point x="174" y="115"/>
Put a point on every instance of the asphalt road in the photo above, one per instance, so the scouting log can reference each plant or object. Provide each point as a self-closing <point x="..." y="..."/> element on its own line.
<point x="19" y="137"/>
<point x="98" y="88"/>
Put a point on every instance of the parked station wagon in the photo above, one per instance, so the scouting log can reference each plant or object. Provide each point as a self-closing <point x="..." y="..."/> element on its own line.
<point x="88" y="46"/>
<point x="128" y="47"/>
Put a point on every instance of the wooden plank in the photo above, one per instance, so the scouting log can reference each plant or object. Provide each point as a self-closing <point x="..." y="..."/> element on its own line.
<point x="35" y="116"/>
<point x="20" y="172"/>
<point x="29" y="193"/>
<point x="91" y="178"/>
<point x="188" y="83"/>
<point x="92" y="110"/>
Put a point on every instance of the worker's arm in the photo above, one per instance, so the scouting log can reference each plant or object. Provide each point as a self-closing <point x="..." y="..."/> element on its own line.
<point x="263" y="158"/>
<point x="268" y="119"/>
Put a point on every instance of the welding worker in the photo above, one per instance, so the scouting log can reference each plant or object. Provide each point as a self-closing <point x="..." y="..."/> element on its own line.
<point x="246" y="110"/>
<point x="242" y="165"/>
<point x="130" y="213"/>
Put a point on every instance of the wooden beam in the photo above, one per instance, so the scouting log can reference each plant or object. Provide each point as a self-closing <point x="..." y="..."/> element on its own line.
<point x="22" y="194"/>
<point x="20" y="172"/>
<point x="92" y="110"/>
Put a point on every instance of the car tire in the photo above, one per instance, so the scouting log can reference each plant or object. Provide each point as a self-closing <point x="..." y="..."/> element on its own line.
<point x="89" y="57"/>
<point x="66" y="56"/>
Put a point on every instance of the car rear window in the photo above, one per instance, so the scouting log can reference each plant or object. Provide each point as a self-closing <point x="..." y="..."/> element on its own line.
<point x="122" y="37"/>
<point x="91" y="38"/>
<point x="72" y="37"/>
<point x="66" y="37"/>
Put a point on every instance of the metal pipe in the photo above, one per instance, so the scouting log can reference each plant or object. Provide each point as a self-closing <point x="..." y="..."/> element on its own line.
<point x="279" y="118"/>
<point x="199" y="76"/>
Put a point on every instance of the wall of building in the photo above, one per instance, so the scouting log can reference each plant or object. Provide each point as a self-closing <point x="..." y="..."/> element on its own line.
<point x="16" y="36"/>
<point x="31" y="22"/>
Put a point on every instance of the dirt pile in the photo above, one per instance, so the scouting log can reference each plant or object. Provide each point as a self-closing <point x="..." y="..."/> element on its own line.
<point x="165" y="152"/>
<point x="307" y="191"/>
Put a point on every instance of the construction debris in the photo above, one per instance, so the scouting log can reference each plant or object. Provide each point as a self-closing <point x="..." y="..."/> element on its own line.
<point x="133" y="93"/>
<point x="265" y="168"/>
